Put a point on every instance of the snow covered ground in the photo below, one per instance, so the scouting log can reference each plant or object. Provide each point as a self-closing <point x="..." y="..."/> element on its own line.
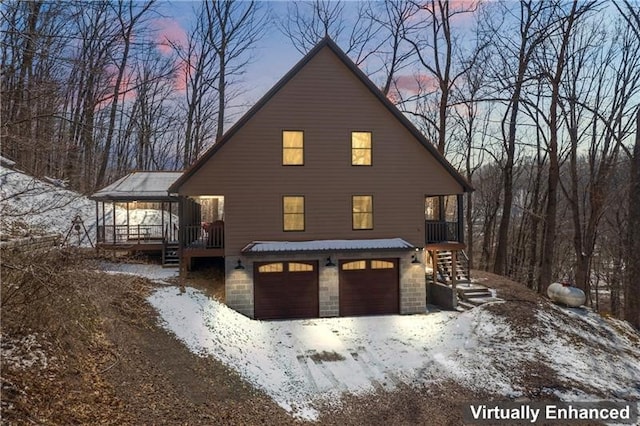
<point x="46" y="209"/>
<point x="304" y="363"/>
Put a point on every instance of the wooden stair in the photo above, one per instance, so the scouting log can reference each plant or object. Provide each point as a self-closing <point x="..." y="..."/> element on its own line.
<point x="170" y="257"/>
<point x="471" y="295"/>
<point x="444" y="262"/>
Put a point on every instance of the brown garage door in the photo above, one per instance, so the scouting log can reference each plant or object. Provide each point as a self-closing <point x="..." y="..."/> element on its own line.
<point x="369" y="287"/>
<point x="285" y="290"/>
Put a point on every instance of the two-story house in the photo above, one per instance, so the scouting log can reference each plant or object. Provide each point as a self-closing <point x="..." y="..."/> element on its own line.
<point x="330" y="197"/>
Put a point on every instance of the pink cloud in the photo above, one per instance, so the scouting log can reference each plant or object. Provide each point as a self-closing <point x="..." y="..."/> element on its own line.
<point x="169" y="32"/>
<point x="416" y="83"/>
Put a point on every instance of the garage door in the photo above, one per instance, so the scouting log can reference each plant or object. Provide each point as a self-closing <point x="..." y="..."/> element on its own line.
<point x="285" y="290"/>
<point x="369" y="287"/>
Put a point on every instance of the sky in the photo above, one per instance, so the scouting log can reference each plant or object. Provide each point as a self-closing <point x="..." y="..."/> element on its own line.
<point x="273" y="56"/>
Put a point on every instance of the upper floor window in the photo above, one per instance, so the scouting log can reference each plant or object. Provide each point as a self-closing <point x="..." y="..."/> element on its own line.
<point x="292" y="148"/>
<point x="360" y="148"/>
<point x="362" y="211"/>
<point x="293" y="213"/>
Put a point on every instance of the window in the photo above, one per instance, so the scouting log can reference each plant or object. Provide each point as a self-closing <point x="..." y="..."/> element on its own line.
<point x="432" y="208"/>
<point x="292" y="148"/>
<point x="360" y="148"/>
<point x="300" y="267"/>
<point x="362" y="211"/>
<point x="293" y="209"/>
<point x="354" y="266"/>
<point x="382" y="264"/>
<point x="271" y="267"/>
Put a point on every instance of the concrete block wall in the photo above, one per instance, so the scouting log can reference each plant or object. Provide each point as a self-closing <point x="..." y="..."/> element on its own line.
<point x="239" y="283"/>
<point x="413" y="284"/>
<point x="329" y="290"/>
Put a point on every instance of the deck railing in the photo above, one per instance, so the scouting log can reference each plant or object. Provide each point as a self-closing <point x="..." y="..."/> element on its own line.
<point x="204" y="236"/>
<point x="440" y="231"/>
<point x="129" y="234"/>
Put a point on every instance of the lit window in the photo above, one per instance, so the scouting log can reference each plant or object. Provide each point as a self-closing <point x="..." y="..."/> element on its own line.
<point x="293" y="209"/>
<point x="292" y="148"/>
<point x="271" y="267"/>
<point x="354" y="266"/>
<point x="362" y="211"/>
<point x="360" y="148"/>
<point x="300" y="267"/>
<point x="382" y="264"/>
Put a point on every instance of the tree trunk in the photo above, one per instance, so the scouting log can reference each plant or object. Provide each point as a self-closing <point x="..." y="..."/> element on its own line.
<point x="632" y="278"/>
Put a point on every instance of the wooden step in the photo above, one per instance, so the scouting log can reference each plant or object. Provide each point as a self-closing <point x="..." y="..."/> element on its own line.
<point x="464" y="306"/>
<point x="170" y="255"/>
<point x="477" y="301"/>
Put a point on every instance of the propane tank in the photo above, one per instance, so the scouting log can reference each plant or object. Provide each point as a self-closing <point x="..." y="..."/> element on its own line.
<point x="566" y="294"/>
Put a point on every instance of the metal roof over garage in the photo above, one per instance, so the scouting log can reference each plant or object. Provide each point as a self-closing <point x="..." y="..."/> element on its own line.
<point x="152" y="186"/>
<point x="326" y="245"/>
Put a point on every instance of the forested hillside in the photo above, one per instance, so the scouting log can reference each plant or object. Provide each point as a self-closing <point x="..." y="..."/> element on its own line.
<point x="536" y="102"/>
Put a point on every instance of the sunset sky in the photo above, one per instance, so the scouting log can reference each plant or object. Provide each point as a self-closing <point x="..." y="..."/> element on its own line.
<point x="273" y="56"/>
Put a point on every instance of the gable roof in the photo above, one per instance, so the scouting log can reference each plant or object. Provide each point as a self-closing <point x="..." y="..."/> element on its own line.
<point x="326" y="42"/>
<point x="152" y="186"/>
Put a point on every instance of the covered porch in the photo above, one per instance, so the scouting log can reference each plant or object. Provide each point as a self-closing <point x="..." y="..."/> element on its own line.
<point x="137" y="214"/>
<point x="446" y="263"/>
<point x="201" y="227"/>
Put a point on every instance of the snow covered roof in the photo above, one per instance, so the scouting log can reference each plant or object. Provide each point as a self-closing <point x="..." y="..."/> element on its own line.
<point x="139" y="186"/>
<point x="325" y="245"/>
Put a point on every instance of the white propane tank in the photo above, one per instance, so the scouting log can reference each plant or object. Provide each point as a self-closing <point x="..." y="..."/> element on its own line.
<point x="565" y="294"/>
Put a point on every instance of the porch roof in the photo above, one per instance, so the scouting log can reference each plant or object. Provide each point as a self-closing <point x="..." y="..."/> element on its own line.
<point x="326" y="245"/>
<point x="136" y="186"/>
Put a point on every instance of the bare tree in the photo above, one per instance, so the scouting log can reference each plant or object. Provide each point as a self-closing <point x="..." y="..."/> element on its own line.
<point x="33" y="36"/>
<point x="552" y="63"/>
<point x="309" y="22"/>
<point x="601" y="81"/>
<point x="438" y="50"/>
<point x="236" y="26"/>
<point x="389" y="22"/>
<point x="87" y="88"/>
<point x="631" y="14"/>
<point x="513" y="77"/>
<point x="127" y="24"/>
<point x="198" y="71"/>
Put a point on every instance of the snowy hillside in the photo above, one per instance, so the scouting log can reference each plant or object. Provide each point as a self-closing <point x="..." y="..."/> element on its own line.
<point x="305" y="364"/>
<point x="37" y="207"/>
<point x="29" y="206"/>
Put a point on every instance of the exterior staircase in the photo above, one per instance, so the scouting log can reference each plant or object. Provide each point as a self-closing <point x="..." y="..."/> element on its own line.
<point x="468" y="294"/>
<point x="444" y="262"/>
<point x="471" y="295"/>
<point x="170" y="256"/>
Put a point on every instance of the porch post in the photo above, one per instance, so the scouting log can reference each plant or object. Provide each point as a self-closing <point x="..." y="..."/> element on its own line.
<point x="182" y="232"/>
<point x="97" y="224"/>
<point x="162" y="220"/>
<point x="460" y="217"/>
<point x="113" y="210"/>
<point x="128" y="236"/>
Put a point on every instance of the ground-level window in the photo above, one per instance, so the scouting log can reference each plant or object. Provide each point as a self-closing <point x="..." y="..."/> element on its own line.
<point x="362" y="211"/>
<point x="355" y="265"/>
<point x="300" y="267"/>
<point x="382" y="264"/>
<point x="271" y="267"/>
<point x="293" y="213"/>
<point x="292" y="148"/>
<point x="360" y="148"/>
